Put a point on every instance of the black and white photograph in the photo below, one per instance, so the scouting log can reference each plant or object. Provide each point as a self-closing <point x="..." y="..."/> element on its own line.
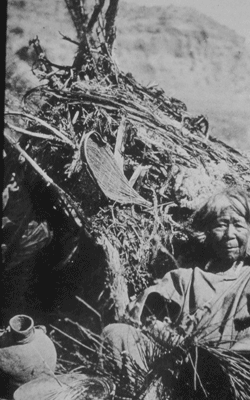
<point x="126" y="200"/>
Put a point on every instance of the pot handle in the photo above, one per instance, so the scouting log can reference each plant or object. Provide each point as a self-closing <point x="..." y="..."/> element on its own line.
<point x="42" y="327"/>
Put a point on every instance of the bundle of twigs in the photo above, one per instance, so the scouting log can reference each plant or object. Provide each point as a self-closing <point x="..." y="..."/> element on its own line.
<point x="159" y="159"/>
<point x="181" y="366"/>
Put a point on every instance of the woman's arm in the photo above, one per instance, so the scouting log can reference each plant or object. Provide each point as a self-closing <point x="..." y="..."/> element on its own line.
<point x="136" y="307"/>
<point x="170" y="287"/>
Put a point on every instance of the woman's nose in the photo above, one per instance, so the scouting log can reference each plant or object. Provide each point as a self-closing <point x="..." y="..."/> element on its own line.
<point x="231" y="230"/>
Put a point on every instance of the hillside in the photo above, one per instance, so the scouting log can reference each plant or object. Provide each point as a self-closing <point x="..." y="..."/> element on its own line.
<point x="190" y="56"/>
<point x="183" y="49"/>
<point x="194" y="59"/>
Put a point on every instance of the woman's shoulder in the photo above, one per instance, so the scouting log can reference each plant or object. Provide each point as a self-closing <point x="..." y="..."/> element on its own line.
<point x="246" y="269"/>
<point x="179" y="273"/>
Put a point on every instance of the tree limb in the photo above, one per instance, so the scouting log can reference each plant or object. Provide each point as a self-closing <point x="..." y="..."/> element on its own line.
<point x="110" y="22"/>
<point x="94" y="16"/>
<point x="78" y="15"/>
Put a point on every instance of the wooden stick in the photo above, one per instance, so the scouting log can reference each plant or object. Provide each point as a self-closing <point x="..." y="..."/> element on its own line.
<point x="40" y="121"/>
<point x="90" y="308"/>
<point x="69" y="39"/>
<point x="43" y="174"/>
<point x="93" y="19"/>
<point x="89" y="334"/>
<point x="79" y="217"/>
<point x="120" y="143"/>
<point x="34" y="134"/>
<point x="196" y="374"/>
<point x="110" y="16"/>
<point x="73" y="339"/>
<point x="78" y="15"/>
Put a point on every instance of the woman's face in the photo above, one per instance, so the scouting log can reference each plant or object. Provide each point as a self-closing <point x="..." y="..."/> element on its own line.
<point x="229" y="235"/>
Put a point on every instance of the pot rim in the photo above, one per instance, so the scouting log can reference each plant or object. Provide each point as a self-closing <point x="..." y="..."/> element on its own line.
<point x="21" y="320"/>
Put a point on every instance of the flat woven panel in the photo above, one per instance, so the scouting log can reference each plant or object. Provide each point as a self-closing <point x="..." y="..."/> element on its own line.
<point x="107" y="173"/>
<point x="66" y="387"/>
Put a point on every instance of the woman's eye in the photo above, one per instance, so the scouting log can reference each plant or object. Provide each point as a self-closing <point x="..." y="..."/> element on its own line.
<point x="240" y="226"/>
<point x="221" y="225"/>
<point x="219" y="229"/>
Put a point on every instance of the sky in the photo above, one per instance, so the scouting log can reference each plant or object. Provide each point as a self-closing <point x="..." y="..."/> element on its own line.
<point x="234" y="14"/>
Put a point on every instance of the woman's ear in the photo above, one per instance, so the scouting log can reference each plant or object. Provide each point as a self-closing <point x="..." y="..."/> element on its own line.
<point x="201" y="237"/>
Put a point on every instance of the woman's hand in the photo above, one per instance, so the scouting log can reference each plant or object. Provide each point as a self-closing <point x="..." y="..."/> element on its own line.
<point x="136" y="306"/>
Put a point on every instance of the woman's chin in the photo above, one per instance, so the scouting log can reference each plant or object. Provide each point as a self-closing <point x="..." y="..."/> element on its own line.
<point x="227" y="259"/>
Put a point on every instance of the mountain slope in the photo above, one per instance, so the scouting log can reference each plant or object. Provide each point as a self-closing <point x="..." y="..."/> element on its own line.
<point x="182" y="48"/>
<point x="193" y="58"/>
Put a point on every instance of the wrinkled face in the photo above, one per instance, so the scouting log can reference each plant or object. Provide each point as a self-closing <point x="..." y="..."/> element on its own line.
<point x="229" y="235"/>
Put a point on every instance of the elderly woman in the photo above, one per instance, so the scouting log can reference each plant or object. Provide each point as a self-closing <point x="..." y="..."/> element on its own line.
<point x="212" y="300"/>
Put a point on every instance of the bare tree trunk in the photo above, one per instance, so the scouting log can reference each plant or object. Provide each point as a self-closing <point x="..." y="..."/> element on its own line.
<point x="110" y="23"/>
<point x="94" y="17"/>
<point x="85" y="25"/>
<point x="78" y="14"/>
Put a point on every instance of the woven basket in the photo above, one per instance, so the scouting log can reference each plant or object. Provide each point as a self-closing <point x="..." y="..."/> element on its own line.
<point x="66" y="387"/>
<point x="107" y="172"/>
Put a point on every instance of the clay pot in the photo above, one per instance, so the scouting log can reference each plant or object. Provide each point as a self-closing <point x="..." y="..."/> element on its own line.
<point x="26" y="352"/>
<point x="68" y="386"/>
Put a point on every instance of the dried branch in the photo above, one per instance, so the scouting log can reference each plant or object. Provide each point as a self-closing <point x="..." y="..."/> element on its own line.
<point x="76" y="212"/>
<point x="41" y="54"/>
<point x="84" y="60"/>
<point x="120" y="143"/>
<point x="33" y="134"/>
<point x="93" y="19"/>
<point x="110" y="23"/>
<point x="62" y="136"/>
<point x="90" y="308"/>
<point x="69" y="39"/>
<point x="73" y="339"/>
<point x="78" y="15"/>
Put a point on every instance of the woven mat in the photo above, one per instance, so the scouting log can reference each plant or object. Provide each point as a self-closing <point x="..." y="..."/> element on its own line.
<point x="107" y="172"/>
